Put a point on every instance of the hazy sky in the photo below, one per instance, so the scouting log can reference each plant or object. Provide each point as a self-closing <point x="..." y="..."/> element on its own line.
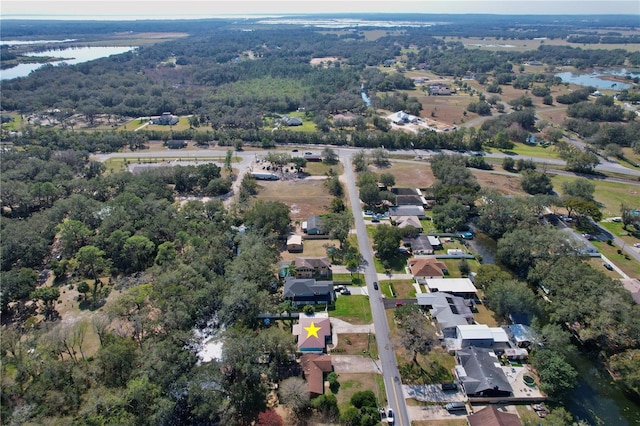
<point x="154" y="9"/>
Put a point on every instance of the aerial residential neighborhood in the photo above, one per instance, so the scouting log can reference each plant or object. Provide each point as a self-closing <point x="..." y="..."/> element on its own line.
<point x="322" y="219"/>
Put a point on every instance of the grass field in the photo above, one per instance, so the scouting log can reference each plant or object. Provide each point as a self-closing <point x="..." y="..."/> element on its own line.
<point x="490" y="43"/>
<point x="403" y="289"/>
<point x="351" y="383"/>
<point x="321" y="169"/>
<point x="357" y="344"/>
<point x="354" y="309"/>
<point x="629" y="266"/>
<point x="312" y="248"/>
<point x="532" y="151"/>
<point x="610" y="195"/>
<point x="410" y="175"/>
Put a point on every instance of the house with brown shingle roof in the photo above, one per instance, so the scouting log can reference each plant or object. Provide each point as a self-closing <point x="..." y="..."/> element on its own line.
<point x="313" y="333"/>
<point x="426" y="268"/>
<point x="314" y="367"/>
<point x="312" y="267"/>
<point x="405" y="221"/>
<point x="491" y="416"/>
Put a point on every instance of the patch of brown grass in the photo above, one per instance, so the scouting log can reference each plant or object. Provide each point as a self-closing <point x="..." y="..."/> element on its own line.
<point x="356" y="344"/>
<point x="505" y="184"/>
<point x="411" y="175"/>
<point x="312" y="248"/>
<point x="305" y="197"/>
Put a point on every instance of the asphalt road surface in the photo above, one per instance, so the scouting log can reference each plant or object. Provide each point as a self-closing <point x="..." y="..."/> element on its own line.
<point x="387" y="356"/>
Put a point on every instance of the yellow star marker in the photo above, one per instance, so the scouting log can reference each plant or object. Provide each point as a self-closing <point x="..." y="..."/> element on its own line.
<point x="312" y="330"/>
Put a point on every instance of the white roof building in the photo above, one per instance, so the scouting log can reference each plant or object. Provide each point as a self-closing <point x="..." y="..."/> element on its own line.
<point x="458" y="286"/>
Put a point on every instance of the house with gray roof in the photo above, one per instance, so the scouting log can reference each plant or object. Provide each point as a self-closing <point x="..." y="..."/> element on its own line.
<point x="166" y="119"/>
<point x="480" y="373"/>
<point x="308" y="291"/>
<point x="407" y="211"/>
<point x="314" y="226"/>
<point x="291" y="121"/>
<point x="419" y="244"/>
<point x="449" y="311"/>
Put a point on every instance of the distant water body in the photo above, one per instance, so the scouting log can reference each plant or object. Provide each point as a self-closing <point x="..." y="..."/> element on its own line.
<point x="596" y="79"/>
<point x="70" y="56"/>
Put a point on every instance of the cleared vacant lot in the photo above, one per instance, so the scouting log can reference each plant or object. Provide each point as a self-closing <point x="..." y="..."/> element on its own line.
<point x="409" y="174"/>
<point x="305" y="197"/>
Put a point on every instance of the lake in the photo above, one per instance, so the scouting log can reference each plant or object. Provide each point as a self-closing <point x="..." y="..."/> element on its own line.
<point x="69" y="55"/>
<point x="596" y="79"/>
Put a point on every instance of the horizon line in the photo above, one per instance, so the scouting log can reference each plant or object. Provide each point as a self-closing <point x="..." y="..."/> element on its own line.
<point x="194" y="16"/>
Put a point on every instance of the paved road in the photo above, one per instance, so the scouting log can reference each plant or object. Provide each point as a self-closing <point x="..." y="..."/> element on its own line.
<point x="388" y="363"/>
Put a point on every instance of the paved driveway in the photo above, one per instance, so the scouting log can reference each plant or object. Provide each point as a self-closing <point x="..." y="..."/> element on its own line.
<point x="354" y="364"/>
<point x="431" y="393"/>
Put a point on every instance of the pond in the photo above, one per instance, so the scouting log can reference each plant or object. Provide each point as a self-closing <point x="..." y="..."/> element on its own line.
<point x="596" y="398"/>
<point x="598" y="79"/>
<point x="70" y="55"/>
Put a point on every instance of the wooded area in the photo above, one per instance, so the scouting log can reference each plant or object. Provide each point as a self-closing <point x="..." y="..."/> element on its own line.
<point x="143" y="271"/>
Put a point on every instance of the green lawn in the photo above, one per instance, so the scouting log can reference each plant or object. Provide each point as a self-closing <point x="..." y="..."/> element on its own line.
<point x="354" y="309"/>
<point x="321" y="169"/>
<point x="16" y="124"/>
<point x="531" y="151"/>
<point x="403" y="289"/>
<point x="610" y="195"/>
<point x="629" y="266"/>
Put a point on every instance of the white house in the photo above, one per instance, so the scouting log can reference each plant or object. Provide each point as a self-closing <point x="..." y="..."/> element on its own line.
<point x="482" y="336"/>
<point x="462" y="287"/>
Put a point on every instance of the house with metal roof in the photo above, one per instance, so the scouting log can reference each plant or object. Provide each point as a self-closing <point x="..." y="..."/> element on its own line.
<point x="294" y="244"/>
<point x="481" y="335"/>
<point x="462" y="287"/>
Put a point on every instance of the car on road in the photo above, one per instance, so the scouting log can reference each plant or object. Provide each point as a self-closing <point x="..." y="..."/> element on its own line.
<point x="609" y="267"/>
<point x="375" y="285"/>
<point x="390" y="418"/>
<point x="449" y="386"/>
<point x="308" y="153"/>
<point x="294" y="150"/>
